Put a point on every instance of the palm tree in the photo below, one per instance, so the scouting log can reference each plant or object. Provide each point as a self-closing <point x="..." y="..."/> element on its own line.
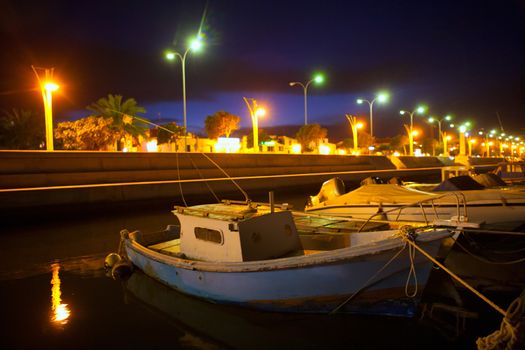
<point x="124" y="115"/>
<point x="21" y="129"/>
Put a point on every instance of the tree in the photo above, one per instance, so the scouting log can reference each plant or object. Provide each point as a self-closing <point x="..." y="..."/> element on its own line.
<point x="21" y="129"/>
<point x="91" y="133"/>
<point x="309" y="136"/>
<point x="221" y="123"/>
<point x="165" y="136"/>
<point x="124" y="115"/>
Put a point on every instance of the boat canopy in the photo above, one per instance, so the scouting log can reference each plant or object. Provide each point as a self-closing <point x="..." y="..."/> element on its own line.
<point x="381" y="193"/>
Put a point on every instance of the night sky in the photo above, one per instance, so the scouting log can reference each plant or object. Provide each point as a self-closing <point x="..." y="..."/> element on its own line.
<point x="466" y="58"/>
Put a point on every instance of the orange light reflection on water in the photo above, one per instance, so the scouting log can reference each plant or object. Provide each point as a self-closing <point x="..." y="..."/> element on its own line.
<point x="60" y="312"/>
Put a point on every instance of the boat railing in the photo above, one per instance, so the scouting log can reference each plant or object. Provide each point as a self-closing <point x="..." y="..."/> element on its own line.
<point x="459" y="199"/>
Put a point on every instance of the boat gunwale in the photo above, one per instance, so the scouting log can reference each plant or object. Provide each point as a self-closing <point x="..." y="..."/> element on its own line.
<point x="294" y="262"/>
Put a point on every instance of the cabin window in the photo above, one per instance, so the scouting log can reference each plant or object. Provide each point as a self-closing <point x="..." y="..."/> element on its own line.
<point x="208" y="235"/>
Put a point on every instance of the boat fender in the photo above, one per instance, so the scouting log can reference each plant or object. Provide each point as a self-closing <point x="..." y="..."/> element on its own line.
<point x="111" y="260"/>
<point x="122" y="270"/>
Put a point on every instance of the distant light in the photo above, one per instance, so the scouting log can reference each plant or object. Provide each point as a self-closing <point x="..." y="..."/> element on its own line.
<point x="359" y="100"/>
<point x="227" y="144"/>
<point x="396" y="154"/>
<point x="371" y="148"/>
<point x="493" y="131"/>
<point x="170" y="55"/>
<point x="296" y="148"/>
<point x="359" y="125"/>
<point x="462" y="128"/>
<point x="472" y="141"/>
<point x="431" y="120"/>
<point x="319" y="78"/>
<point x="50" y="86"/>
<point x="451" y="125"/>
<point x="421" y="109"/>
<point x="125" y="149"/>
<point x="402" y="112"/>
<point x="324" y="149"/>
<point x="480" y="133"/>
<point x="341" y="151"/>
<point x="151" y="146"/>
<point x="448" y="117"/>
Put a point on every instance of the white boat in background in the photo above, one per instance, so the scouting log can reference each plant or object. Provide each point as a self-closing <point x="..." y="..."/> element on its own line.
<point x="397" y="202"/>
<point x="252" y="256"/>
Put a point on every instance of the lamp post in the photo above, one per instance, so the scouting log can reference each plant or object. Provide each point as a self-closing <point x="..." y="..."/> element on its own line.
<point x="255" y="113"/>
<point x="47" y="86"/>
<point x="446" y="138"/>
<point x="318" y="79"/>
<point x="195" y="45"/>
<point x="471" y="142"/>
<point x="432" y="120"/>
<point x="462" y="131"/>
<point x="381" y="98"/>
<point x="419" y="110"/>
<point x="355" y="126"/>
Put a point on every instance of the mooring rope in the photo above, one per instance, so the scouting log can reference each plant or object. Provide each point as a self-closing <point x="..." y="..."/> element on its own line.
<point x="485" y="260"/>
<point x="367" y="283"/>
<point x="507" y="336"/>
<point x="454" y="276"/>
<point x="202" y="177"/>
<point x="411" y="272"/>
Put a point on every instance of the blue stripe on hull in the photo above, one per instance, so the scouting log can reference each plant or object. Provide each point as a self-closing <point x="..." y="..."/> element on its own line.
<point x="317" y="288"/>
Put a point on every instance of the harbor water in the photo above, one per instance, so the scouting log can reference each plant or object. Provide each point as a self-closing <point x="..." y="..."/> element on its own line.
<point x="56" y="295"/>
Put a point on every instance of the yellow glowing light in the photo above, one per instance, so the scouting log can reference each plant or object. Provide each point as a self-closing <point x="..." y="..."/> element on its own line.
<point x="396" y="154"/>
<point x="324" y="149"/>
<point x="60" y="311"/>
<point x="359" y="125"/>
<point x="491" y="143"/>
<point x="125" y="149"/>
<point x="227" y="145"/>
<point x="472" y="141"/>
<point x="296" y="148"/>
<point x="151" y="146"/>
<point x="260" y="112"/>
<point x="415" y="133"/>
<point x="341" y="151"/>
<point x="50" y="86"/>
<point x="449" y="137"/>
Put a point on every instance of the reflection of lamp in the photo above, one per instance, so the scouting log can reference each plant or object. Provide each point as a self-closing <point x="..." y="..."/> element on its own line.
<point x="60" y="311"/>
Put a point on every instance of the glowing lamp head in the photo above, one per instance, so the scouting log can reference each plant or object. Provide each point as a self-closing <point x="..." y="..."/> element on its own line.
<point x="448" y="117"/>
<point x="402" y="112"/>
<point x="431" y="120"/>
<point x="196" y="44"/>
<point x="260" y="112"/>
<point x="359" y="101"/>
<point x="421" y="109"/>
<point x="359" y="125"/>
<point x="382" y="97"/>
<point x="462" y="128"/>
<point x="170" y="55"/>
<point x="50" y="86"/>
<point x="319" y="78"/>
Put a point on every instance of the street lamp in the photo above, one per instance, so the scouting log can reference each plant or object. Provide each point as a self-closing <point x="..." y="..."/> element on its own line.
<point x="418" y="110"/>
<point x="432" y="120"/>
<point x="381" y="98"/>
<point x="318" y="79"/>
<point x="194" y="45"/>
<point x="47" y="87"/>
<point x="462" y="131"/>
<point x="355" y="126"/>
<point x="255" y="113"/>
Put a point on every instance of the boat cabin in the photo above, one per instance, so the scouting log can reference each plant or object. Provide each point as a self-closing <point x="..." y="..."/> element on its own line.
<point x="235" y="233"/>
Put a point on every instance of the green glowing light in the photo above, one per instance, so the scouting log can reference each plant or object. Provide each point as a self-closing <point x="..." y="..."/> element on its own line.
<point x="431" y="120"/>
<point x="319" y="78"/>
<point x="170" y="55"/>
<point x="448" y="117"/>
<point x="382" y="97"/>
<point x="421" y="109"/>
<point x="359" y="100"/>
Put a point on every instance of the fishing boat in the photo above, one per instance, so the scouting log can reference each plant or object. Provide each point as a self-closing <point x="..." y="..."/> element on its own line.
<point x="253" y="256"/>
<point x="399" y="202"/>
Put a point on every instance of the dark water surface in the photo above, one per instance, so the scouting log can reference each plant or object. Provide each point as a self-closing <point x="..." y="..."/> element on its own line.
<point x="61" y="253"/>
